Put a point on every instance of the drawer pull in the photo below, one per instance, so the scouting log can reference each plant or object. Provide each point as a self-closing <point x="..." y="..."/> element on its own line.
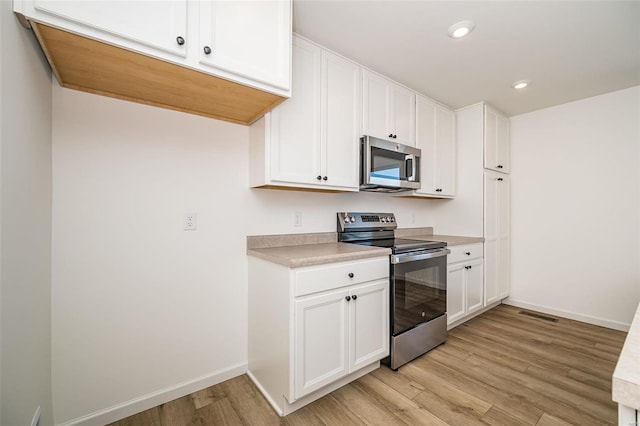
<point x="355" y="296"/>
<point x="468" y="253"/>
<point x="347" y="298"/>
<point x="351" y="275"/>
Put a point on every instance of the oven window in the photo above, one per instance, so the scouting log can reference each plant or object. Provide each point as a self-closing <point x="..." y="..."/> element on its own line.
<point x="388" y="164"/>
<point x="419" y="292"/>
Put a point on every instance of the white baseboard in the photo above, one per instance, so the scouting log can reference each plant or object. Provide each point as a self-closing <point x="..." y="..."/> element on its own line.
<point x="145" y="402"/>
<point x="570" y="315"/>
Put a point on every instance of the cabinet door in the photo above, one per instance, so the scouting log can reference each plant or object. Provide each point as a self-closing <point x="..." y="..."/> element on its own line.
<point x="426" y="112"/>
<point x="490" y="139"/>
<point x="320" y="340"/>
<point x="496" y="141"/>
<point x="504" y="236"/>
<point x="295" y="124"/>
<point x="474" y="285"/>
<point x="156" y="24"/>
<point x="403" y="115"/>
<point x="340" y="123"/>
<point x="369" y="319"/>
<point x="503" y="144"/>
<point x="455" y="292"/>
<point x="445" y="151"/>
<point x="491" y="236"/>
<point x="376" y="100"/>
<point x="497" y="236"/>
<point x="247" y="38"/>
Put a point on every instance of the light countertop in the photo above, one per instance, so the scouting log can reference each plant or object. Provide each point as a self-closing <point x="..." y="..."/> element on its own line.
<point x="297" y="250"/>
<point x="626" y="376"/>
<point x="316" y="254"/>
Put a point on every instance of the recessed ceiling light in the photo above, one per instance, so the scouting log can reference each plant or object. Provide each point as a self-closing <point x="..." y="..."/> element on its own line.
<point x="461" y="29"/>
<point x="520" y="84"/>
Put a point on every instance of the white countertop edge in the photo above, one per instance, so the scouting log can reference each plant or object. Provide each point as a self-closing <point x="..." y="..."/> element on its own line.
<point x="625" y="386"/>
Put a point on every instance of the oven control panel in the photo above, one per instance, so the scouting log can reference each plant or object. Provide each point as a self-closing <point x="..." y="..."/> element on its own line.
<point x="355" y="221"/>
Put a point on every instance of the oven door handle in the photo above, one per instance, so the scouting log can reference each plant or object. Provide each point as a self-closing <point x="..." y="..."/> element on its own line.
<point x="410" y="257"/>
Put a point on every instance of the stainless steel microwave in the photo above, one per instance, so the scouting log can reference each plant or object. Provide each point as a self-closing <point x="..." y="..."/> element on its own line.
<point x="388" y="166"/>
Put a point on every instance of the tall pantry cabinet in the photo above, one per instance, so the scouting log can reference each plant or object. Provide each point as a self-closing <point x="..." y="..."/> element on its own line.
<point x="483" y="195"/>
<point x="497" y="211"/>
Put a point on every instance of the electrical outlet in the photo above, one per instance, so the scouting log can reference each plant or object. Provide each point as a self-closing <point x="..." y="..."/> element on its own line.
<point x="297" y="219"/>
<point x="190" y="221"/>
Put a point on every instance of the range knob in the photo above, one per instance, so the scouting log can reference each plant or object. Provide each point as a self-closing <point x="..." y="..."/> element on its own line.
<point x="353" y="219"/>
<point x="383" y="219"/>
<point x="393" y="219"/>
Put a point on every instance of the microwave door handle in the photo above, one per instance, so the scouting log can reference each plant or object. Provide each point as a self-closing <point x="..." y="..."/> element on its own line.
<point x="411" y="158"/>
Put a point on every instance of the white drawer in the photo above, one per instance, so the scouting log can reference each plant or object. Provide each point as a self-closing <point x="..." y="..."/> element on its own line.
<point x="465" y="252"/>
<point x="315" y="279"/>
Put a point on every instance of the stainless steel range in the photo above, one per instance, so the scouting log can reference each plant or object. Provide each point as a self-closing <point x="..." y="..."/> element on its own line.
<point x="418" y="283"/>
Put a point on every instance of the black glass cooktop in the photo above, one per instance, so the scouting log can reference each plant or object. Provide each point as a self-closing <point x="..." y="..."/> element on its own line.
<point x="401" y="245"/>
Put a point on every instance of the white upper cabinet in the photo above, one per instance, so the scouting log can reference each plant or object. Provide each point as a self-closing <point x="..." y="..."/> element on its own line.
<point x="246" y="41"/>
<point x="340" y="120"/>
<point x="435" y="137"/>
<point x="311" y="140"/>
<point x="165" y="22"/>
<point x="389" y="109"/>
<point x="247" y="38"/>
<point x="496" y="141"/>
<point x="294" y="138"/>
<point x="229" y="60"/>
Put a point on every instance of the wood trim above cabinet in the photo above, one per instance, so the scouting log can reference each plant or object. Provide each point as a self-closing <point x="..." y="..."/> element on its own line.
<point x="91" y="66"/>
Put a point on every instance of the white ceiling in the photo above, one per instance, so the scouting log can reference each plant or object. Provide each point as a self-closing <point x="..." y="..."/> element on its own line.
<point x="569" y="50"/>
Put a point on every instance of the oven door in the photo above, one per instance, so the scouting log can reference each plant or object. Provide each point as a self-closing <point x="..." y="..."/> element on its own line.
<point x="418" y="287"/>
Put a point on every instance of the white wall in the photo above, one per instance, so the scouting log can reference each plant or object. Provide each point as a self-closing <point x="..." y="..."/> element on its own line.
<point x="140" y="307"/>
<point x="575" y="208"/>
<point x="25" y="225"/>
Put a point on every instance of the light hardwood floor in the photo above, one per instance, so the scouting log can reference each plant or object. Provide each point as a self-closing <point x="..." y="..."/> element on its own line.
<point x="501" y="368"/>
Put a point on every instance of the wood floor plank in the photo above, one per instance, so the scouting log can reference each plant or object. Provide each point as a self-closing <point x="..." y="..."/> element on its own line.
<point x="569" y="384"/>
<point x="566" y="326"/>
<point x="518" y="389"/>
<point x="405" y="409"/>
<point x="332" y="413"/>
<point x="248" y="402"/>
<point x="207" y="396"/>
<point x="500" y="357"/>
<point x="447" y="410"/>
<point x="219" y="412"/>
<point x="500" y="368"/>
<point x="476" y="386"/>
<point x="179" y="412"/>
<point x="149" y="417"/>
<point x="591" y="380"/>
<point x="552" y="398"/>
<point x="501" y="335"/>
<point x="458" y="397"/>
<point x="549" y="420"/>
<point x="499" y="417"/>
<point x="364" y="407"/>
<point x="401" y="383"/>
<point x="484" y="340"/>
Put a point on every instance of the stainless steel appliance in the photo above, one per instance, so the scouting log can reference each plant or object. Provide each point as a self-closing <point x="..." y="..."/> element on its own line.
<point x="418" y="283"/>
<point x="388" y="166"/>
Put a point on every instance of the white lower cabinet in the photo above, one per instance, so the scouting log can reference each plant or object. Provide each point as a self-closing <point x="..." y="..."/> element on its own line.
<point x="314" y="329"/>
<point x="337" y="333"/>
<point x="465" y="282"/>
